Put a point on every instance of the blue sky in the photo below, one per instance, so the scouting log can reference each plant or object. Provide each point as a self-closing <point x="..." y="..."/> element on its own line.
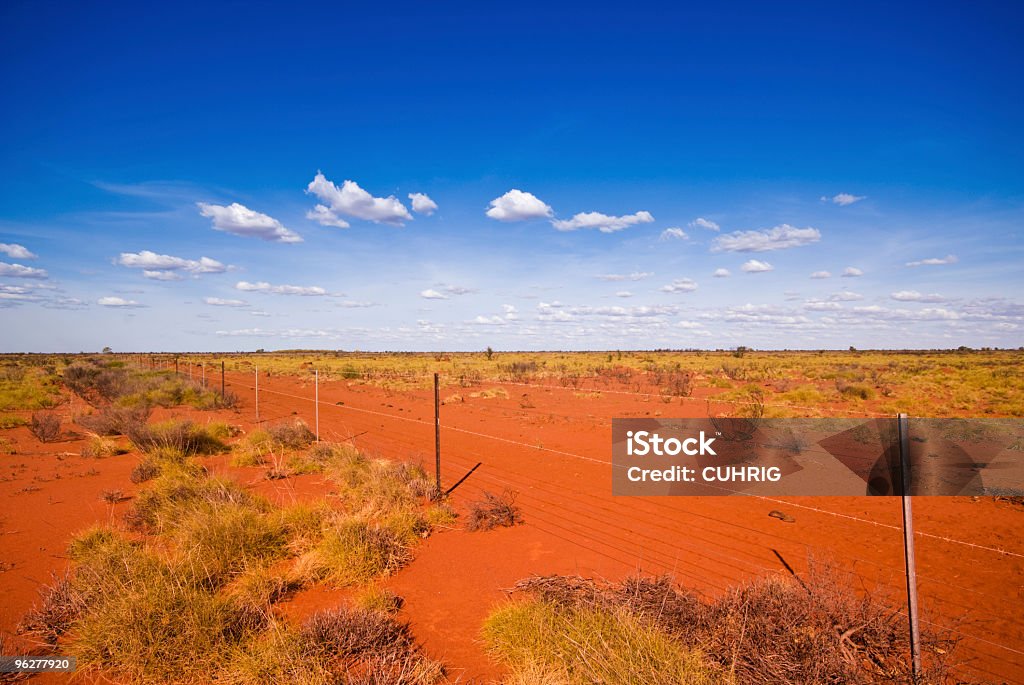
<point x="595" y="176"/>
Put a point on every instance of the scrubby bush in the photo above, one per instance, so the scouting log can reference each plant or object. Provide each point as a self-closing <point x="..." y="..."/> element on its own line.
<point x="493" y="511"/>
<point x="45" y="426"/>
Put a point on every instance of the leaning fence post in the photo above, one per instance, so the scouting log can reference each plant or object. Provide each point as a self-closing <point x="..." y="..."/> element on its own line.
<point x="437" y="435"/>
<point x="908" y="545"/>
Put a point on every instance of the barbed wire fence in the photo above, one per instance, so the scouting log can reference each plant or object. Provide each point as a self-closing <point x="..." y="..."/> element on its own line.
<point x="709" y="549"/>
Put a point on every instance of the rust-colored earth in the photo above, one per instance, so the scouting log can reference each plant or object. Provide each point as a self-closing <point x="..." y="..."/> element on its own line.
<point x="551" y="446"/>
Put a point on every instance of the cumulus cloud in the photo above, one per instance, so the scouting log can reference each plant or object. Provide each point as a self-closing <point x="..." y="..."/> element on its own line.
<point x="845" y="296"/>
<point x="821" y="274"/>
<point x="721" y="273"/>
<point x="489" y="321"/>
<point x="673" y="234"/>
<point x="623" y="293"/>
<point x="915" y="296"/>
<point x="635" y="276"/>
<point x="15" y="251"/>
<point x="422" y="204"/>
<point x="456" y="289"/>
<point x="117" y="302"/>
<point x="680" y="285"/>
<point x="602" y="222"/>
<point x="162" y="267"/>
<point x="431" y="294"/>
<point x="935" y="261"/>
<point x="221" y="302"/>
<point x="701" y="222"/>
<point x="240" y="220"/>
<point x="778" y="238"/>
<point x="264" y="287"/>
<point x="755" y="266"/>
<point x="162" y="275"/>
<point x="852" y="272"/>
<point x="323" y="215"/>
<point x="511" y="313"/>
<point x="21" y="271"/>
<point x="351" y="200"/>
<point x="516" y="205"/>
<point x="843" y="199"/>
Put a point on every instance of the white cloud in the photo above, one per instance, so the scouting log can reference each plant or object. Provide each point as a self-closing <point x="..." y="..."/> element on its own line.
<point x="431" y="294"/>
<point x="117" y="302"/>
<point x="354" y="304"/>
<point x="843" y="199"/>
<point x="755" y="266"/>
<point x="286" y="333"/>
<point x="845" y="296"/>
<point x="220" y="302"/>
<point x="701" y="222"/>
<point x="240" y="220"/>
<point x="516" y="205"/>
<point x="915" y="296"/>
<point x="689" y="325"/>
<point x="623" y="293"/>
<point x="680" y="285"/>
<point x="15" y="251"/>
<point x="778" y="238"/>
<point x="935" y="261"/>
<point x="673" y="234"/>
<point x="511" y="313"/>
<point x="325" y="217"/>
<point x="821" y="274"/>
<point x="351" y="200"/>
<point x="20" y="271"/>
<point x="162" y="267"/>
<point x="264" y="287"/>
<point x="456" y="289"/>
<point x="489" y="321"/>
<point x="721" y="273"/>
<point x="852" y="272"/>
<point x="635" y="276"/>
<point x="162" y="275"/>
<point x="602" y="222"/>
<point x="422" y="204"/>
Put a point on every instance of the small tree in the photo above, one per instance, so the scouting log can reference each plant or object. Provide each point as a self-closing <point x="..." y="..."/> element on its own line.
<point x="489" y="352"/>
<point x="107" y="350"/>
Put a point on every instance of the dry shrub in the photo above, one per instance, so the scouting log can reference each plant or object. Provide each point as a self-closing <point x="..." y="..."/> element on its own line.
<point x="61" y="604"/>
<point x="184" y="437"/>
<point x="100" y="448"/>
<point x="776" y="629"/>
<point x="348" y="632"/>
<point x="147" y="469"/>
<point x="493" y="511"/>
<point x="115" y="420"/>
<point x="295" y="435"/>
<point x="45" y="426"/>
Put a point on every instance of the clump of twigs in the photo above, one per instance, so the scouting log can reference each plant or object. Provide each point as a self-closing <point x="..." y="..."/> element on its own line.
<point x="494" y="511"/>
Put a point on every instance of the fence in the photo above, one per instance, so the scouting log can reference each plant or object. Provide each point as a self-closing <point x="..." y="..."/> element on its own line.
<point x="969" y="588"/>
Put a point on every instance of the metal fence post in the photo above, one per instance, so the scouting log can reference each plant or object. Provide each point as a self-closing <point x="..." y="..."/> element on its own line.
<point x="257" y="366"/>
<point x="316" y="400"/>
<point x="908" y="545"/>
<point x="437" y="434"/>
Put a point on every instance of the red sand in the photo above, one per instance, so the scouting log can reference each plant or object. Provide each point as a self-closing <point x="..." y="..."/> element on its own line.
<point x="572" y="523"/>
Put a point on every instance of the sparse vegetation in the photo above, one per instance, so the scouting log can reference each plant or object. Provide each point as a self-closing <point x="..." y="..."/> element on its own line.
<point x="772" y="630"/>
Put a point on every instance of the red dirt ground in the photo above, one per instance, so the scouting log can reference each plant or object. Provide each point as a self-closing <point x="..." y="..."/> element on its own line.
<point x="970" y="552"/>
